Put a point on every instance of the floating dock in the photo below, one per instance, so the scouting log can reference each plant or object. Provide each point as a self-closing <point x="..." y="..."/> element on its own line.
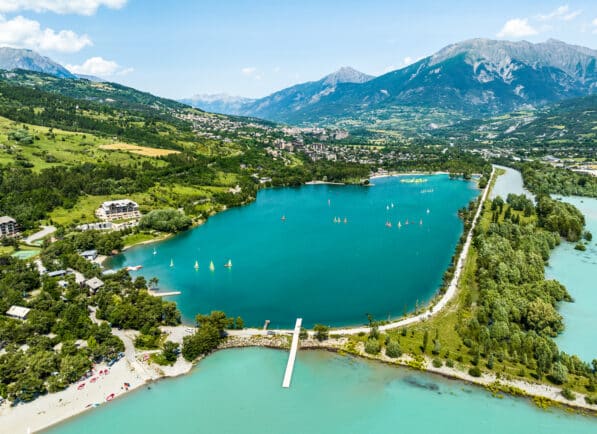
<point x="163" y="294"/>
<point x="292" y="355"/>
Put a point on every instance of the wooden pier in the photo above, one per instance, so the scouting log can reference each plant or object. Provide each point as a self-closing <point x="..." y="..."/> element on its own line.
<point x="292" y="355"/>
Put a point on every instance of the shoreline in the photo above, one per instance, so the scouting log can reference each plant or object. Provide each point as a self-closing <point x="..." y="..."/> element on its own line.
<point x="69" y="403"/>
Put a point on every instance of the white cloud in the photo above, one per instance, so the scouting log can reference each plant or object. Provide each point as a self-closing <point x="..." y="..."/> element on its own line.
<point x="595" y="26"/>
<point x="248" y="70"/>
<point x="251" y="71"/>
<point x="81" y="7"/>
<point x="21" y="32"/>
<point x="100" y="67"/>
<point x="561" y="13"/>
<point x="517" y="28"/>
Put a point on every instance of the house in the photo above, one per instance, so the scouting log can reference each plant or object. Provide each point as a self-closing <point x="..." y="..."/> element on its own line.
<point x="8" y="227"/>
<point x="18" y="312"/>
<point x="63" y="284"/>
<point x="90" y="255"/>
<point x="118" y="210"/>
<point x="94" y="284"/>
<point x="57" y="273"/>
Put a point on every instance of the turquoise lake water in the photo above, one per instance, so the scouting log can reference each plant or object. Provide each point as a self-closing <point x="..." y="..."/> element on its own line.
<point x="239" y="391"/>
<point x="308" y="266"/>
<point x="577" y="271"/>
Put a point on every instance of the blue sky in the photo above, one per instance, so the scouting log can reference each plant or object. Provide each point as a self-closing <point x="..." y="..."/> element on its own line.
<point x="179" y="48"/>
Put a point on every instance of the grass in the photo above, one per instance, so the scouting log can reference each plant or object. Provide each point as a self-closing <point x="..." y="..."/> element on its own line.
<point x="140" y="237"/>
<point x="54" y="147"/>
<point x="197" y="199"/>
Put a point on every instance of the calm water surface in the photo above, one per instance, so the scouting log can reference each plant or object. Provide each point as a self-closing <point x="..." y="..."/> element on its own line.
<point x="239" y="391"/>
<point x="578" y="272"/>
<point x="309" y="266"/>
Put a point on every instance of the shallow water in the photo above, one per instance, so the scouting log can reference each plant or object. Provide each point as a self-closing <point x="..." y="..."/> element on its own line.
<point x="308" y="266"/>
<point x="239" y="391"/>
<point x="577" y="271"/>
<point x="509" y="182"/>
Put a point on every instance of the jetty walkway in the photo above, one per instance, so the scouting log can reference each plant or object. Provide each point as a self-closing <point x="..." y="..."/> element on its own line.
<point x="292" y="355"/>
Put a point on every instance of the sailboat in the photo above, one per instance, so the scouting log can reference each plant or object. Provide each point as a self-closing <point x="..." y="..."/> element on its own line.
<point x="228" y="264"/>
<point x="171" y="262"/>
<point x="392" y="205"/>
<point x="421" y="221"/>
<point x="388" y="224"/>
<point x="399" y="225"/>
<point x="155" y="252"/>
<point x="212" y="267"/>
<point x="387" y="207"/>
<point x="345" y="220"/>
<point x="406" y="222"/>
<point x="428" y="211"/>
<point x="283" y="218"/>
<point x="196" y="266"/>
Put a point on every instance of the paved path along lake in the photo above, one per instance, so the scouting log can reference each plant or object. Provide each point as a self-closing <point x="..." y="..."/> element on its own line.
<point x="308" y="266"/>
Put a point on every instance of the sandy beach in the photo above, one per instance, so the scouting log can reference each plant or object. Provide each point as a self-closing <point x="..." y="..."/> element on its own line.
<point x="102" y="388"/>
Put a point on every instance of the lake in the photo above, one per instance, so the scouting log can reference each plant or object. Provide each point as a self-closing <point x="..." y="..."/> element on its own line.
<point x="239" y="391"/>
<point x="309" y="266"/>
<point x="577" y="271"/>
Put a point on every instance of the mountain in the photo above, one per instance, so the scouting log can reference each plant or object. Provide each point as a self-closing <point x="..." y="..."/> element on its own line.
<point x="283" y="103"/>
<point x="218" y="103"/>
<point x="470" y="79"/>
<point x="91" y="78"/>
<point x="572" y="122"/>
<point x="13" y="58"/>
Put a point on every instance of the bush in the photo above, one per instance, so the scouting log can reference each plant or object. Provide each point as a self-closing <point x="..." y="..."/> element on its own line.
<point x="474" y="371"/>
<point x="372" y="346"/>
<point x="437" y="363"/>
<point x="321" y="332"/>
<point x="393" y="349"/>
<point x="206" y="339"/>
<point x="580" y="246"/>
<point x="568" y="394"/>
<point x="450" y="363"/>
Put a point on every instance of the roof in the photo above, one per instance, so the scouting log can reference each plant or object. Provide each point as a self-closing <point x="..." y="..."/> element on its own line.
<point x="7" y="219"/>
<point x="94" y="283"/>
<point x="57" y="273"/>
<point x="121" y="202"/>
<point x="89" y="253"/>
<point x="18" y="311"/>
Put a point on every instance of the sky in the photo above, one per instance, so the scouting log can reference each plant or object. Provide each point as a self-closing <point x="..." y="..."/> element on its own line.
<point x="180" y="48"/>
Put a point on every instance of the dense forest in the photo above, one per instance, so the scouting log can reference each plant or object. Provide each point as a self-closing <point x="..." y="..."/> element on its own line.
<point x="544" y="179"/>
<point x="515" y="312"/>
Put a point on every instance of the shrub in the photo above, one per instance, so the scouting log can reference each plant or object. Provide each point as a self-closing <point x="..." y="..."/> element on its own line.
<point x="568" y="394"/>
<point x="474" y="371"/>
<point x="393" y="349"/>
<point x="321" y="332"/>
<point x="372" y="346"/>
<point x="437" y="363"/>
<point x="450" y="363"/>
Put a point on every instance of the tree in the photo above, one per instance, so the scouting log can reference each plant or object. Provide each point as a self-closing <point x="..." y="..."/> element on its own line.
<point x="321" y="332"/>
<point x="170" y="351"/>
<point x="559" y="373"/>
<point x="239" y="324"/>
<point x="205" y="339"/>
<point x="216" y="318"/>
<point x="425" y="340"/>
